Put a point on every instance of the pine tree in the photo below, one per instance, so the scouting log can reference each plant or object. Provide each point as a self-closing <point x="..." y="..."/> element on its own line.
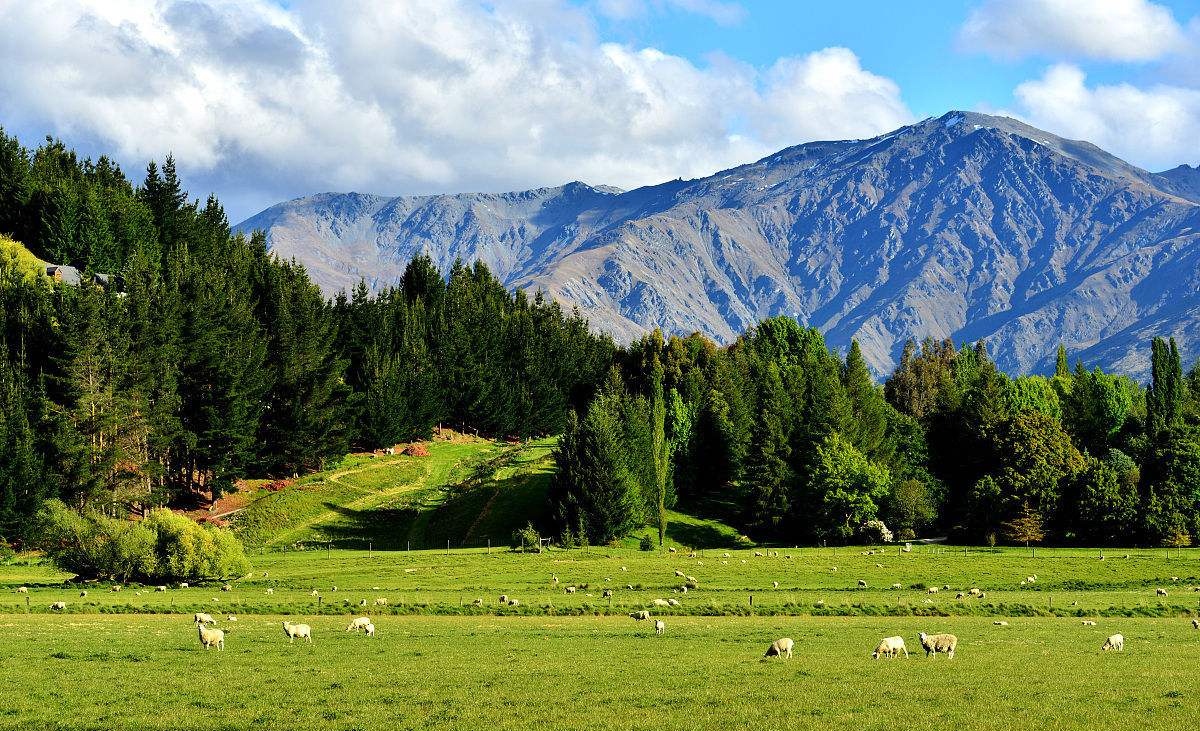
<point x="1061" y="369"/>
<point x="867" y="424"/>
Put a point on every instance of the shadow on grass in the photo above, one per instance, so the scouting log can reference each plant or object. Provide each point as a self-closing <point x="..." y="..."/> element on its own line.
<point x="700" y="535"/>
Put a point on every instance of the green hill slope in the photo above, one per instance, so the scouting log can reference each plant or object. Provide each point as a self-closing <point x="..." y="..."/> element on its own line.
<point x="15" y="252"/>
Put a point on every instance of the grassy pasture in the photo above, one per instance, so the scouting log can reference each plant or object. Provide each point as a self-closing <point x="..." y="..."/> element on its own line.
<point x="108" y="671"/>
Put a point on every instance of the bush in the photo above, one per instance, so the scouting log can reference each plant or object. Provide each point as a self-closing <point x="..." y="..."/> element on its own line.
<point x="527" y="539"/>
<point x="647" y="543"/>
<point x="164" y="546"/>
<point x="874" y="531"/>
<point x="907" y="534"/>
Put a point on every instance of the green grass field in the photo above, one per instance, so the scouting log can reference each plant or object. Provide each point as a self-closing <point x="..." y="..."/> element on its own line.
<point x="558" y="660"/>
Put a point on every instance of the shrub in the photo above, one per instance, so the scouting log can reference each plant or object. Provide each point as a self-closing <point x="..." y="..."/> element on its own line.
<point x="527" y="539"/>
<point x="874" y="531"/>
<point x="647" y="543"/>
<point x="164" y="546"/>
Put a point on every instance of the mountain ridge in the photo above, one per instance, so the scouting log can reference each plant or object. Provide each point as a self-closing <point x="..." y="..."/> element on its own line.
<point x="965" y="225"/>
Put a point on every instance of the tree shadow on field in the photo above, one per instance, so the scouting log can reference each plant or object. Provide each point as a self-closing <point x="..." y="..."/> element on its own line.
<point x="384" y="528"/>
<point x="700" y="536"/>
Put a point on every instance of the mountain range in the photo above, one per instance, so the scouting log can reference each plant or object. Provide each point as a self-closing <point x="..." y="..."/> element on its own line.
<point x="967" y="226"/>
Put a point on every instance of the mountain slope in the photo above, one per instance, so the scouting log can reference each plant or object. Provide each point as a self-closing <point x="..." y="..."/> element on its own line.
<point x="967" y="225"/>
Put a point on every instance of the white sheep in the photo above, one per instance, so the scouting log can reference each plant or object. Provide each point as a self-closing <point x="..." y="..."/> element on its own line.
<point x="514" y="603"/>
<point x="1000" y="623"/>
<point x="270" y="592"/>
<point x="314" y="593"/>
<point x="1088" y="623"/>
<point x="231" y="618"/>
<point x="362" y="602"/>
<point x="679" y="573"/>
<point x="569" y="590"/>
<point x="934" y="644"/>
<point x="780" y="648"/>
<point x="659" y="627"/>
<point x="504" y="599"/>
<point x="477" y="603"/>
<point x="639" y="616"/>
<point x="890" y="647"/>
<point x="333" y="588"/>
<point x="227" y="587"/>
<point x="183" y="585"/>
<point x="1160" y="591"/>
<point x="1196" y="624"/>
<point x="671" y="549"/>
<point x="607" y="593"/>
<point x="202" y="618"/>
<point x="661" y="603"/>
<point x="1116" y="642"/>
<point x="933" y="590"/>
<point x="897" y="586"/>
<point x="358" y="623"/>
<point x="22" y="589"/>
<point x="116" y="587"/>
<point x="83" y="593"/>
<point x="974" y="591"/>
<point x="303" y="631"/>
<point x="381" y="601"/>
<point x="673" y="602"/>
<point x="369" y="629"/>
<point x="58" y="606"/>
<point x="774" y="584"/>
<point x="211" y="637"/>
<point x="160" y="588"/>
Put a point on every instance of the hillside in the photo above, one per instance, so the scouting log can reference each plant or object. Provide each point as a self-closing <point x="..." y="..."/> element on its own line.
<point x="966" y="226"/>
<point x="24" y="259"/>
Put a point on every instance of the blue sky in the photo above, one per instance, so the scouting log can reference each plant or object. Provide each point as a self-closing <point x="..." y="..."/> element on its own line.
<point x="261" y="101"/>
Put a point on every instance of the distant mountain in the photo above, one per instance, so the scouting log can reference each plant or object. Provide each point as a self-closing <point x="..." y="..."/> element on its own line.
<point x="968" y="226"/>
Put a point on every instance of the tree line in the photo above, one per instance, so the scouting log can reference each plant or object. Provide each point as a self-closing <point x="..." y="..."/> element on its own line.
<point x="212" y="359"/>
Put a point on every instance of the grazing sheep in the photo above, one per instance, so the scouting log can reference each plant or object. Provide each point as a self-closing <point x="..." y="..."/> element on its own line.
<point x="890" y="647"/>
<point x="314" y="592"/>
<point x="228" y="587"/>
<point x="116" y="588"/>
<point x="946" y="587"/>
<point x="160" y="588"/>
<point x="1088" y="623"/>
<point x="671" y="549"/>
<point x="960" y="596"/>
<point x="725" y="555"/>
<point x="933" y="590"/>
<point x="58" y="606"/>
<point x="358" y="623"/>
<point x="683" y="589"/>
<point x="679" y="573"/>
<point x="514" y="603"/>
<point x="183" y="585"/>
<point x="1000" y="623"/>
<point x="780" y="648"/>
<point x="504" y="598"/>
<point x="690" y="579"/>
<point x="554" y="580"/>
<point x="381" y="601"/>
<point x="774" y="584"/>
<point x="897" y="586"/>
<point x="934" y="644"/>
<point x="673" y="602"/>
<point x="974" y="592"/>
<point x="833" y="569"/>
<point x="369" y="629"/>
<point x="1031" y="579"/>
<point x="862" y="584"/>
<point x="659" y="627"/>
<point x="362" y="602"/>
<point x="202" y="618"/>
<point x="270" y="592"/>
<point x="1196" y="624"/>
<point x="22" y="589"/>
<point x="231" y="618"/>
<point x="1160" y="591"/>
<point x="624" y="569"/>
<point x="758" y="554"/>
<point x="211" y="637"/>
<point x="477" y="603"/>
<point x="83" y="593"/>
<point x="607" y="593"/>
<point x="1175" y="578"/>
<point x="570" y="590"/>
<point x="661" y="603"/>
<point x="1116" y="642"/>
<point x="303" y="631"/>
<point x="640" y="615"/>
<point x="982" y="594"/>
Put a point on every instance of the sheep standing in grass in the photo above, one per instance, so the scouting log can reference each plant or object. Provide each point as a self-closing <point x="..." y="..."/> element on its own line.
<point x="607" y="593"/>
<point x="211" y="637"/>
<point x="890" y="647"/>
<point x="897" y="586"/>
<point x="934" y="644"/>
<point x="1116" y="642"/>
<point x="303" y="631"/>
<point x="504" y="598"/>
<point x="1160" y="591"/>
<point x="640" y="615"/>
<point x="369" y="629"/>
<point x="933" y="590"/>
<point x="780" y="648"/>
<point x="227" y="587"/>
<point x="1088" y="623"/>
<point x="569" y="590"/>
<point x="659" y="627"/>
<point x="477" y="603"/>
<point x="514" y="603"/>
<point x="83" y="593"/>
<point x="774" y="584"/>
<point x="58" y="606"/>
<point x="116" y="588"/>
<point x="673" y="602"/>
<point x="358" y="623"/>
<point x="160" y="588"/>
<point x="22" y="589"/>
<point x="1196" y="624"/>
<point x="202" y="618"/>
<point x="381" y="601"/>
<point x="270" y="592"/>
<point x="661" y="603"/>
<point x="231" y="618"/>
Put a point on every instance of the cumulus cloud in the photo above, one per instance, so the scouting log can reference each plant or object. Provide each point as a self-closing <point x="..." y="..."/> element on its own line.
<point x="259" y="102"/>
<point x="1113" y="30"/>
<point x="1155" y="127"/>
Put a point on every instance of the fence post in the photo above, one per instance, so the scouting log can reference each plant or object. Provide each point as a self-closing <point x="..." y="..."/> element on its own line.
<point x="371" y="549"/>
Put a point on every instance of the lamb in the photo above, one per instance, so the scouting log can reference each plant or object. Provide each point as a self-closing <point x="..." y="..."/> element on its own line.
<point x="660" y="627"/>
<point x="211" y="637"/>
<point x="640" y="615"/>
<point x="22" y="589"/>
<point x="477" y="603"/>
<point x="673" y="602"/>
<point x="1116" y="642"/>
<point x="58" y="606"/>
<point x="933" y="590"/>
<point x="270" y="592"/>
<point x="780" y="648"/>
<point x="514" y="603"/>
<point x="183" y="585"/>
<point x="897" y="586"/>
<point x="293" y="631"/>
<point x="1160" y="591"/>
<point x="202" y="618"/>
<point x="934" y="644"/>
<point x="862" y="584"/>
<point x="570" y="590"/>
<point x="358" y="623"/>
<point x="369" y="629"/>
<point x="381" y="601"/>
<point x="504" y="599"/>
<point x="607" y="593"/>
<point x="889" y="647"/>
<point x="160" y="588"/>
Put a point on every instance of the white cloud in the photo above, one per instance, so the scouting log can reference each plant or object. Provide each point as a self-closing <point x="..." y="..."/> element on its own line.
<point x="259" y="102"/>
<point x="1114" y="30"/>
<point x="1156" y="127"/>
